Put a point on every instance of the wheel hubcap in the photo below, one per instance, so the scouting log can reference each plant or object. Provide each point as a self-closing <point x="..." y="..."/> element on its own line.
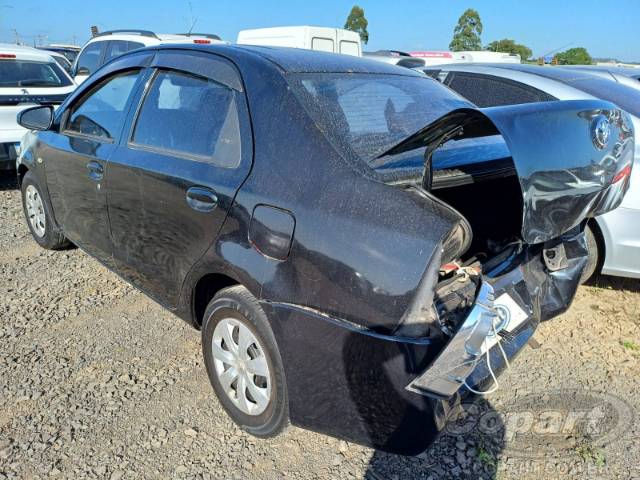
<point x="35" y="211"/>
<point x="241" y="366"/>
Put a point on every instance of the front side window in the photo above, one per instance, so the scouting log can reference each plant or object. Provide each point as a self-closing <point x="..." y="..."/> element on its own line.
<point x="23" y="73"/>
<point x="191" y="115"/>
<point x="90" y="57"/>
<point x="101" y="112"/>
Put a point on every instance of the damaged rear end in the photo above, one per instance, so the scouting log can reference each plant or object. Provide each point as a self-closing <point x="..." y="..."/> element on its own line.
<point x="524" y="179"/>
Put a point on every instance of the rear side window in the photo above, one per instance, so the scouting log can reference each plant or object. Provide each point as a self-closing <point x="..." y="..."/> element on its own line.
<point x="190" y="115"/>
<point x="115" y="48"/>
<point x="90" y="57"/>
<point x="490" y="91"/>
<point x="100" y="113"/>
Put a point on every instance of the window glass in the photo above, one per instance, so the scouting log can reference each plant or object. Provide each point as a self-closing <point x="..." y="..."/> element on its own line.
<point x="322" y="44"/>
<point x="367" y="114"/>
<point x="349" y="48"/>
<point x="24" y="73"/>
<point x="90" y="57"/>
<point x="489" y="91"/>
<point x="134" y="45"/>
<point x="192" y="115"/>
<point x="101" y="112"/>
<point x="115" y="48"/>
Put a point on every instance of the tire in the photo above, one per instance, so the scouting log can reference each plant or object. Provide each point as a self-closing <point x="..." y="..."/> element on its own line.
<point x="229" y="316"/>
<point x="39" y="215"/>
<point x="593" y="258"/>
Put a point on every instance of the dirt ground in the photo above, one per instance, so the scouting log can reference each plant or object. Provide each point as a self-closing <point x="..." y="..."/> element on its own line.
<point x="98" y="381"/>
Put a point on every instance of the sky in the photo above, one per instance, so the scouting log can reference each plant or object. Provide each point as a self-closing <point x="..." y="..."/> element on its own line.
<point x="606" y="29"/>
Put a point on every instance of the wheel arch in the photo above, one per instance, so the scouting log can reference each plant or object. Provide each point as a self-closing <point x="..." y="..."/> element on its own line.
<point x="207" y="286"/>
<point x="22" y="171"/>
<point x="599" y="235"/>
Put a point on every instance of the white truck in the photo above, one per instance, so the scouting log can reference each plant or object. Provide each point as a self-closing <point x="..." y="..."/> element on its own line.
<point x="324" y="39"/>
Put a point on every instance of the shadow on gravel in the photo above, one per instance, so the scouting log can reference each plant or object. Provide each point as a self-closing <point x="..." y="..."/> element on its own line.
<point x="615" y="283"/>
<point x="467" y="448"/>
<point x="8" y="180"/>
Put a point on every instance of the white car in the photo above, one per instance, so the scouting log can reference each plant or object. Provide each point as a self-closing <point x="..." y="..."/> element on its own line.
<point x="614" y="238"/>
<point x="107" y="45"/>
<point x="27" y="77"/>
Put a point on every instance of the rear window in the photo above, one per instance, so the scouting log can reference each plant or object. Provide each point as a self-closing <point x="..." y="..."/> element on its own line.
<point x="364" y="115"/>
<point x="27" y="73"/>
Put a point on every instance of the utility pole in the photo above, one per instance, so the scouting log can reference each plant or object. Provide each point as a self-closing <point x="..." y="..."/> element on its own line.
<point x="17" y="35"/>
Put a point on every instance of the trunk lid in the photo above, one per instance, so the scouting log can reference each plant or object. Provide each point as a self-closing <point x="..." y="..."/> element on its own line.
<point x="573" y="158"/>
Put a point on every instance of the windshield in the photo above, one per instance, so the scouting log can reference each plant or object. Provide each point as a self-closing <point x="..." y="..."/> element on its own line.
<point x="26" y="73"/>
<point x="364" y="115"/>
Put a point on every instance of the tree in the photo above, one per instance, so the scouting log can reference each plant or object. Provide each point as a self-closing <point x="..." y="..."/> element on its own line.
<point x="356" y="22"/>
<point x="510" y="46"/>
<point x="574" y="56"/>
<point x="466" y="35"/>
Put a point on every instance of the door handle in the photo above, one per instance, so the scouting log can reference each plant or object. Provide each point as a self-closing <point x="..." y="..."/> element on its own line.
<point x="202" y="199"/>
<point x="95" y="170"/>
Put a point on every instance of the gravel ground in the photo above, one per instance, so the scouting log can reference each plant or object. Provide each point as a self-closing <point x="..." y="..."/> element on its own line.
<point x="100" y="382"/>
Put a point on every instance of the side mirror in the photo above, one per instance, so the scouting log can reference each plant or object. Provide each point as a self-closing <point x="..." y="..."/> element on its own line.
<point x="36" y="118"/>
<point x="83" y="71"/>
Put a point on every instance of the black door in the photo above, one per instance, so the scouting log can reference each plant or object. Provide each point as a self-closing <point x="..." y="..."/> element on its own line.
<point x="171" y="184"/>
<point x="76" y="160"/>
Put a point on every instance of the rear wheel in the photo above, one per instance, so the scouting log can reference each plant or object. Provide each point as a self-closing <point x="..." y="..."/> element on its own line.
<point x="594" y="255"/>
<point x="243" y="362"/>
<point x="39" y="215"/>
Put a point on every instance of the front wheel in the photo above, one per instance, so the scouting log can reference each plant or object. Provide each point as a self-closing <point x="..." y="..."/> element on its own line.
<point x="39" y="215"/>
<point x="244" y="364"/>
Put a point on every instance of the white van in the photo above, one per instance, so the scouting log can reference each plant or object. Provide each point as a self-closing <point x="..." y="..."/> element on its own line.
<point x="324" y="39"/>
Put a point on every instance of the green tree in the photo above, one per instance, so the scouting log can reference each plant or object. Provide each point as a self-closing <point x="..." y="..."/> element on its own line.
<point x="466" y="35"/>
<point x="574" y="56"/>
<point x="510" y="46"/>
<point x="356" y="22"/>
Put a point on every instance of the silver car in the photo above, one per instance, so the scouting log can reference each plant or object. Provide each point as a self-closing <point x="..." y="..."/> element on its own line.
<point x="614" y="238"/>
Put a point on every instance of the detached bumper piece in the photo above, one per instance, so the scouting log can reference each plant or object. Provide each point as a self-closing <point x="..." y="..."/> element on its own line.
<point x="457" y="361"/>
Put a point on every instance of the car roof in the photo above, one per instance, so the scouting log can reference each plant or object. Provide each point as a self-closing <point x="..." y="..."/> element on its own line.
<point x="26" y="53"/>
<point x="626" y="71"/>
<point x="532" y="78"/>
<point x="562" y="83"/>
<point x="298" y="60"/>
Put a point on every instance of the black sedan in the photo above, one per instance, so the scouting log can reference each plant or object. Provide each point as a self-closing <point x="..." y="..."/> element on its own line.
<point x="360" y="246"/>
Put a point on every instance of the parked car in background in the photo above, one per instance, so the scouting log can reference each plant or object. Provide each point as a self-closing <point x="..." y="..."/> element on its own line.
<point x="347" y="274"/>
<point x="108" y="45"/>
<point x="614" y="238"/>
<point x="62" y="61"/>
<point x="628" y="76"/>
<point x="69" y="51"/>
<point x="395" y="57"/>
<point x="27" y="77"/>
<point x="323" y="39"/>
